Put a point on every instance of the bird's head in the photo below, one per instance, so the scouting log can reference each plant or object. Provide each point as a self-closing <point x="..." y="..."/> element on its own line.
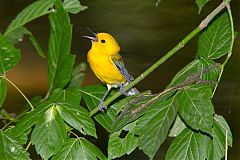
<point x="103" y="43"/>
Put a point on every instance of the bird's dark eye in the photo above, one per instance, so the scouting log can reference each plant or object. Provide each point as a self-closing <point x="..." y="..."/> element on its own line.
<point x="103" y="41"/>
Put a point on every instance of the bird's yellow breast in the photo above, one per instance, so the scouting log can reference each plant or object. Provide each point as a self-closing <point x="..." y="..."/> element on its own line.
<point x="104" y="68"/>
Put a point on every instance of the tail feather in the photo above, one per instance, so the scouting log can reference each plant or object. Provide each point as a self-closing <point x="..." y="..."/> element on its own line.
<point x="131" y="91"/>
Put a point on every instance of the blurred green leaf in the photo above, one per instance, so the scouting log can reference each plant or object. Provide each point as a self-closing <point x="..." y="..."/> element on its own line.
<point x="215" y="41"/>
<point x="10" y="148"/>
<point x="92" y="96"/>
<point x="79" y="148"/>
<point x="201" y="4"/>
<point x="188" y="146"/>
<point x="60" y="61"/>
<point x="73" y="6"/>
<point x="9" y="55"/>
<point x="17" y="36"/>
<point x="3" y="91"/>
<point x="78" y="75"/>
<point x="31" y="12"/>
<point x="154" y="125"/>
<point x="49" y="133"/>
<point x="220" y="127"/>
<point x="118" y="146"/>
<point x="177" y="127"/>
<point x="195" y="107"/>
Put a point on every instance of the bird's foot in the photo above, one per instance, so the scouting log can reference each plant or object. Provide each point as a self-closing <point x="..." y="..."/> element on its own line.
<point x="101" y="107"/>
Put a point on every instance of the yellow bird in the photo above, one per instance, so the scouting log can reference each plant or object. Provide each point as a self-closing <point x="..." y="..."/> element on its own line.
<point x="107" y="64"/>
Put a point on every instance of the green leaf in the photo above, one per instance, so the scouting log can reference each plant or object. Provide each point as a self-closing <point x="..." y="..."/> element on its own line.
<point x="220" y="127"/>
<point x="17" y="36"/>
<point x="3" y="91"/>
<point x="154" y="125"/>
<point x="177" y="127"/>
<point x="195" y="107"/>
<point x="37" y="46"/>
<point x="118" y="146"/>
<point x="77" y="117"/>
<point x="49" y="133"/>
<point x="10" y="148"/>
<point x="22" y="139"/>
<point x="73" y="6"/>
<point x="9" y="55"/>
<point x="31" y="12"/>
<point x="67" y="103"/>
<point x="188" y="146"/>
<point x="201" y="4"/>
<point x="71" y="95"/>
<point x="30" y="118"/>
<point x="79" y="149"/>
<point x="206" y="69"/>
<point x="60" y="61"/>
<point x="78" y="75"/>
<point x="92" y="96"/>
<point x="130" y="108"/>
<point x="215" y="41"/>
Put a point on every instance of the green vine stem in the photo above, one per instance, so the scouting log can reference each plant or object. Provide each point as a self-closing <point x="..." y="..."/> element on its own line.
<point x="180" y="45"/>
<point x="4" y="77"/>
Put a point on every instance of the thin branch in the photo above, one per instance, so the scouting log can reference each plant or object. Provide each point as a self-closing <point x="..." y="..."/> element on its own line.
<point x="180" y="45"/>
<point x="3" y="76"/>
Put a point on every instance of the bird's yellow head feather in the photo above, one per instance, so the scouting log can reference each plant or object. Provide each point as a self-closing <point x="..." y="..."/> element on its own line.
<point x="104" y="43"/>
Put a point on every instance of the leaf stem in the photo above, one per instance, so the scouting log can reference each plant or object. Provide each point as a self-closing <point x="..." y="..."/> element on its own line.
<point x="29" y="144"/>
<point x="180" y="45"/>
<point x="3" y="76"/>
<point x="230" y="49"/>
<point x="74" y="134"/>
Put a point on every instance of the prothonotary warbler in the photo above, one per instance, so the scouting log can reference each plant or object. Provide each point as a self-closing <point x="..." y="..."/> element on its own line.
<point x="107" y="64"/>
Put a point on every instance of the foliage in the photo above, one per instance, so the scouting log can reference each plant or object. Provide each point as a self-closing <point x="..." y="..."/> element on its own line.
<point x="184" y="110"/>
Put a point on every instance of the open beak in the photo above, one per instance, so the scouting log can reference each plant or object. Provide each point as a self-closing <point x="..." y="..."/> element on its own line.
<point x="94" y="38"/>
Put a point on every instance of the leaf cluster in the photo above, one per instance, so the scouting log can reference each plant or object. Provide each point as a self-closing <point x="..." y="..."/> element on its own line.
<point x="60" y="127"/>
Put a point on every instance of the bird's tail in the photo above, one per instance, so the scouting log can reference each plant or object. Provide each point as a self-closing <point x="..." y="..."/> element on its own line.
<point x="131" y="91"/>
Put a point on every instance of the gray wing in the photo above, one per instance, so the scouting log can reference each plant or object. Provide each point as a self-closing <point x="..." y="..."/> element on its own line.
<point x="118" y="62"/>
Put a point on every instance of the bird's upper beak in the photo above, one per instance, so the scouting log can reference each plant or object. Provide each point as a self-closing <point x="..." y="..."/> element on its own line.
<point x="94" y="38"/>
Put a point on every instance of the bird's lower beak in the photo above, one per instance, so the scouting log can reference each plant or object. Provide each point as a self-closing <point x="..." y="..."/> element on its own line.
<point x="94" y="38"/>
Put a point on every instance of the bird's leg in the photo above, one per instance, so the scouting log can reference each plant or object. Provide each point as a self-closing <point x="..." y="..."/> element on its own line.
<point x="100" y="105"/>
<point x="122" y="89"/>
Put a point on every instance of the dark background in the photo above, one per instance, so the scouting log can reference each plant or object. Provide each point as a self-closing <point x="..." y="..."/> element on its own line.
<point x="145" y="33"/>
